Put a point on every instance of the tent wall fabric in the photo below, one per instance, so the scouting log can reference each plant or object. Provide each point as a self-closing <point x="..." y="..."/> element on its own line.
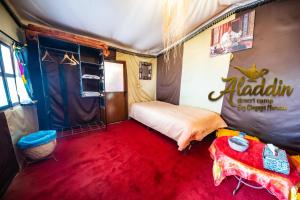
<point x="9" y="26"/>
<point x="8" y="163"/>
<point x="197" y="68"/>
<point x="169" y="76"/>
<point x="276" y="48"/>
<point x="138" y="90"/>
<point x="202" y="73"/>
<point x="21" y="120"/>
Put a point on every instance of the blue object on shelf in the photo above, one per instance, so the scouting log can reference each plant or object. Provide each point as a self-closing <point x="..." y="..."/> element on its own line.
<point x="278" y="163"/>
<point x="36" y="139"/>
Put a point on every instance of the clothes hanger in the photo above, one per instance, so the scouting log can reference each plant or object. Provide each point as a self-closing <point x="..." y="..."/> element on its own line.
<point x="47" y="57"/>
<point x="73" y="58"/>
<point x="67" y="58"/>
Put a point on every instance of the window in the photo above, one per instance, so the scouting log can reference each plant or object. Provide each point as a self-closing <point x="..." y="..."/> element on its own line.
<point x="8" y="88"/>
<point x="23" y="94"/>
<point x="3" y="99"/>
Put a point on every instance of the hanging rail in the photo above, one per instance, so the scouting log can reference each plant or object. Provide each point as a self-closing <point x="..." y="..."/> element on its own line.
<point x="55" y="49"/>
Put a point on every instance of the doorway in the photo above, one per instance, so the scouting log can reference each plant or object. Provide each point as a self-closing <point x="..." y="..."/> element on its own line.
<point x="116" y="91"/>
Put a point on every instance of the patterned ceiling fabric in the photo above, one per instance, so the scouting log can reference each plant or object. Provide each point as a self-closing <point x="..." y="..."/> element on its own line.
<point x="132" y="25"/>
<point x="276" y="48"/>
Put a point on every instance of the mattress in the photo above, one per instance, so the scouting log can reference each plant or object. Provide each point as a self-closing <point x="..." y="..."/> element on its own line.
<point x="181" y="123"/>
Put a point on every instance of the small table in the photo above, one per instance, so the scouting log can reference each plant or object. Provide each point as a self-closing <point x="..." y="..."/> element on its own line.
<point x="248" y="165"/>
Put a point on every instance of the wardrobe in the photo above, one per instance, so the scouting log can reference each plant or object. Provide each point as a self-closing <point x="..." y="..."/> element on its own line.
<point x="68" y="83"/>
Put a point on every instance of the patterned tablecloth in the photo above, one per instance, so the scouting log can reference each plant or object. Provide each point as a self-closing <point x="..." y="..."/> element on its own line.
<point x="249" y="165"/>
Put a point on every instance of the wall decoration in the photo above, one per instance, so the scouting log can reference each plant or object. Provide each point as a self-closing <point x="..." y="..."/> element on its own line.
<point x="145" y="71"/>
<point x="276" y="48"/>
<point x="253" y="91"/>
<point x="233" y="36"/>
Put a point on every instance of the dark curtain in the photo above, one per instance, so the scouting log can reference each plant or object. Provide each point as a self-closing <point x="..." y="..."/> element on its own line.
<point x="80" y="110"/>
<point x="276" y="47"/>
<point x="169" y="76"/>
<point x="54" y="93"/>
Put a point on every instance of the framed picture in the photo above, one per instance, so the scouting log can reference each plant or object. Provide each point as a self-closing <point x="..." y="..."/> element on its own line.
<point x="233" y="36"/>
<point x="145" y="71"/>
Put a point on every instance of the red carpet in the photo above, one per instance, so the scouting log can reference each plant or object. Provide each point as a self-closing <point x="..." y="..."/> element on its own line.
<point x="126" y="162"/>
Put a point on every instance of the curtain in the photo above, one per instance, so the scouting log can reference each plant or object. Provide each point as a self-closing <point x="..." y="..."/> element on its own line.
<point x="21" y="69"/>
<point x="169" y="76"/>
<point x="138" y="90"/>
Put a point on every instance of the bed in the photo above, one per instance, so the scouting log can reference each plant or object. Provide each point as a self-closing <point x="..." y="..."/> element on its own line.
<point x="181" y="123"/>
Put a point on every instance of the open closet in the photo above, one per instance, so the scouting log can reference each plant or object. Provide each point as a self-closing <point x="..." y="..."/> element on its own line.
<point x="70" y="86"/>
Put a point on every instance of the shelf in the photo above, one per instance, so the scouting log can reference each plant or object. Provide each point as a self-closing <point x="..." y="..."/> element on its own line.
<point x="91" y="69"/>
<point x="92" y="80"/>
<point x="91" y="94"/>
<point x="90" y="63"/>
<point x="91" y="55"/>
<point x="91" y="77"/>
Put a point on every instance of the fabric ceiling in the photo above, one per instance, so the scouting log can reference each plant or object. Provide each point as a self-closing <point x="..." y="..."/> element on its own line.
<point x="133" y="25"/>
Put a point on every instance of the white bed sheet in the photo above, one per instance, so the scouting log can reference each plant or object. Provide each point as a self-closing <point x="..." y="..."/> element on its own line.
<point x="181" y="123"/>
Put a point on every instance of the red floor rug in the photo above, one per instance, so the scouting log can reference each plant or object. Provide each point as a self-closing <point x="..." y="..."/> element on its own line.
<point x="126" y="162"/>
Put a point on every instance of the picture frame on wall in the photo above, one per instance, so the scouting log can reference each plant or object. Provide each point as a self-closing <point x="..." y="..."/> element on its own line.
<point x="145" y="71"/>
<point x="232" y="36"/>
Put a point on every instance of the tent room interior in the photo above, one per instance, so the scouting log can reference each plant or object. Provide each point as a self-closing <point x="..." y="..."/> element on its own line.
<point x="150" y="100"/>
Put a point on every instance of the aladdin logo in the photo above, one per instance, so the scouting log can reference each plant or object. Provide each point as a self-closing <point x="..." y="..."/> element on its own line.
<point x="252" y="73"/>
<point x="241" y="89"/>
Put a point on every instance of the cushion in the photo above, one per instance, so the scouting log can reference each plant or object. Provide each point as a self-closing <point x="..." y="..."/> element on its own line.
<point x="296" y="161"/>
